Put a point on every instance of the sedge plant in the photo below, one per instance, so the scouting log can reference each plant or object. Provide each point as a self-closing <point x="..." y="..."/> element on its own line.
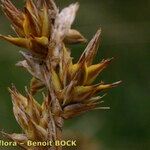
<point x="45" y="33"/>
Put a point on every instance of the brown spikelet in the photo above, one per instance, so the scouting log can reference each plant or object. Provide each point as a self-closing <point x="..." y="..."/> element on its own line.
<point x="38" y="27"/>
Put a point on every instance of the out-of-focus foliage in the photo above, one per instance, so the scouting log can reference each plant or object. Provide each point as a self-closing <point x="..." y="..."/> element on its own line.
<point x="125" y="31"/>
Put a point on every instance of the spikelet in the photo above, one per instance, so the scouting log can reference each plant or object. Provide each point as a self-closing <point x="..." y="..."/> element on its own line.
<point x="35" y="120"/>
<point x="45" y="32"/>
<point x="40" y="26"/>
<point x="72" y="83"/>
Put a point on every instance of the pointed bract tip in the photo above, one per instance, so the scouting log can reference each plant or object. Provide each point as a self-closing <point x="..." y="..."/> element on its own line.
<point x="99" y="31"/>
<point x="102" y="108"/>
<point x="77" y="5"/>
<point x="116" y="83"/>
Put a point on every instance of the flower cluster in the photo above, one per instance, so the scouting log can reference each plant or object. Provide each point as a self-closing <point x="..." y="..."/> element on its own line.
<point x="45" y="33"/>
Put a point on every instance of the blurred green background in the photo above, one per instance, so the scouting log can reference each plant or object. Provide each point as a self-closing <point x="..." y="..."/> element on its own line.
<point x="125" y="36"/>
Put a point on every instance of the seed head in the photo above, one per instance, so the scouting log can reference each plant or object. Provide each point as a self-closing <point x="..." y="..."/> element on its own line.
<point x="45" y="33"/>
